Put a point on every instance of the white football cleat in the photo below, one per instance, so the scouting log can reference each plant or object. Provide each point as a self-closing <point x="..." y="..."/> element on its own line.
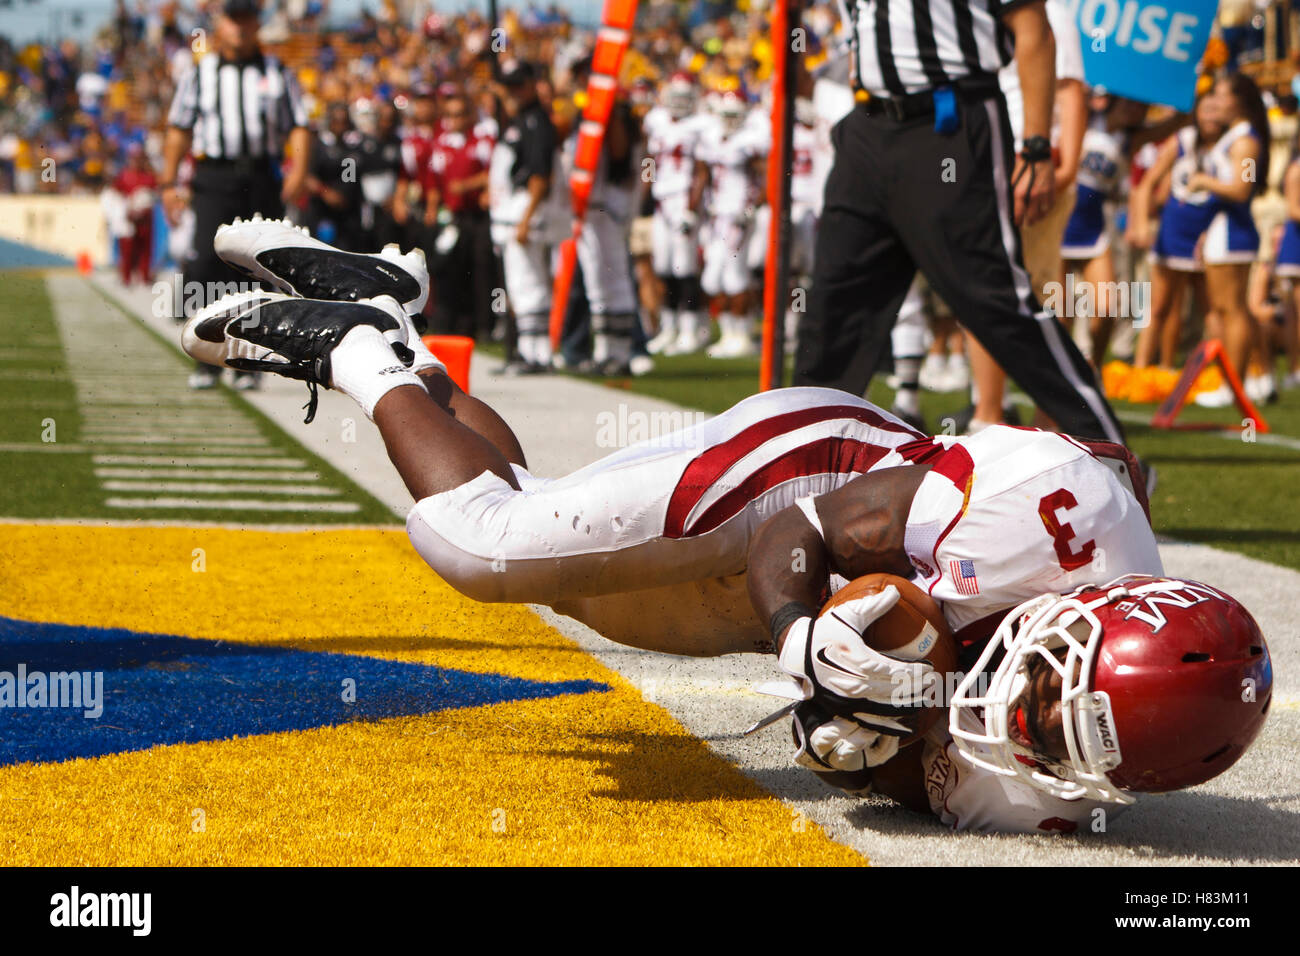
<point x="933" y="376"/>
<point x="665" y="337"/>
<point x="735" y="345"/>
<point x="290" y="259"/>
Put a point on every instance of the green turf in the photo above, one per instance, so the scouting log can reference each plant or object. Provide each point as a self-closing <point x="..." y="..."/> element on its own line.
<point x="37" y="484"/>
<point x="1214" y="487"/>
<point x="44" y="483"/>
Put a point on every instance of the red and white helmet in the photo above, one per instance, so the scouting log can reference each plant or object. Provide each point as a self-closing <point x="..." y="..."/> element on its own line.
<point x="1164" y="684"/>
<point x="680" y="96"/>
<point x="731" y="109"/>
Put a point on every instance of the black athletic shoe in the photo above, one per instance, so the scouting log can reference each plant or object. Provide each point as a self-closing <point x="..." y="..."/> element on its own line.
<point x="287" y="257"/>
<point x="292" y="337"/>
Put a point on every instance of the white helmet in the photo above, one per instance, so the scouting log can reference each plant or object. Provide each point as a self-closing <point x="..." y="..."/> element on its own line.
<point x="679" y="96"/>
<point x="731" y="109"/>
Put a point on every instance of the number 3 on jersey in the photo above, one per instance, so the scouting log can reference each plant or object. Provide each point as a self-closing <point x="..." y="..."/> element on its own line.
<point x="1062" y="534"/>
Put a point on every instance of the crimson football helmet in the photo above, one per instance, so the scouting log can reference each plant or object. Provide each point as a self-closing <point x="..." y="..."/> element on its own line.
<point x="1164" y="684"/>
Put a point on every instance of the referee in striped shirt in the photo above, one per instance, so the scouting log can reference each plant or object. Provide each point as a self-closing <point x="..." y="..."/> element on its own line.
<point x="238" y="111"/>
<point x="925" y="178"/>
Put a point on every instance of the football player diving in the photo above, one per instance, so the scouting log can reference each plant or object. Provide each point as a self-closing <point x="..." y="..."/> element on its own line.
<point x="1090" y="676"/>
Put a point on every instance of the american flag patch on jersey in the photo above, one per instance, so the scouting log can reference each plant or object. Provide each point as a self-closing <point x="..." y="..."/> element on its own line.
<point x="963" y="575"/>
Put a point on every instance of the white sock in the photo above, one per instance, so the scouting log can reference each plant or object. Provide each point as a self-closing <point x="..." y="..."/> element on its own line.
<point x="688" y="324"/>
<point x="907" y="401"/>
<point x="365" y="368"/>
<point x="424" y="359"/>
<point x="667" y="323"/>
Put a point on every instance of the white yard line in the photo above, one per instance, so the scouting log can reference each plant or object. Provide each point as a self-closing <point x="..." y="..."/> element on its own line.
<point x="198" y="461"/>
<point x="128" y="438"/>
<point x="58" y="448"/>
<point x="222" y="488"/>
<point x="234" y="504"/>
<point x="234" y="474"/>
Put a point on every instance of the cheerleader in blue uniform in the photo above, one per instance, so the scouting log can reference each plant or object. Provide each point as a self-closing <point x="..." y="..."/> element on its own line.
<point x="1236" y="171"/>
<point x="1115" y="130"/>
<point x="1184" y="217"/>
<point x="1287" y="269"/>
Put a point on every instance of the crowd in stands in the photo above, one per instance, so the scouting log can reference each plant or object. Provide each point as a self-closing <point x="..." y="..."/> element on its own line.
<point x="90" y="118"/>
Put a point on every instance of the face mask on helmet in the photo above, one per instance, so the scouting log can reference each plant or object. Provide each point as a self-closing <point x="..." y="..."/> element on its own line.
<point x="731" y="112"/>
<point x="679" y="100"/>
<point x="1172" y="700"/>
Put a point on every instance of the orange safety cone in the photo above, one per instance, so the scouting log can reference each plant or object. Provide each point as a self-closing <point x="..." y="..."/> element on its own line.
<point x="1208" y="353"/>
<point x="453" y="351"/>
<point x="84" y="265"/>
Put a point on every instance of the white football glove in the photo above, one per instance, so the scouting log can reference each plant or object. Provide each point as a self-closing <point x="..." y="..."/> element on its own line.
<point x="833" y="664"/>
<point x="686" y="224"/>
<point x="826" y="742"/>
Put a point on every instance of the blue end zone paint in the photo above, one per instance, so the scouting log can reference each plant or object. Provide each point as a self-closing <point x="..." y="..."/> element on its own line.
<point x="16" y="255"/>
<point x="159" y="689"/>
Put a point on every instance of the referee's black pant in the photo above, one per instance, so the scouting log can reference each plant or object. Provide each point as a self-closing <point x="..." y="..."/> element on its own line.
<point x="221" y="191"/>
<point x="902" y="197"/>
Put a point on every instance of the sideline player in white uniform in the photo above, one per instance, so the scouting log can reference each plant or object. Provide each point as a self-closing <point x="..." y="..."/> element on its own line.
<point x="520" y="178"/>
<point x="602" y="245"/>
<point x="807" y="187"/>
<point x="734" y="151"/>
<point x="673" y="132"/>
<point x="657" y="544"/>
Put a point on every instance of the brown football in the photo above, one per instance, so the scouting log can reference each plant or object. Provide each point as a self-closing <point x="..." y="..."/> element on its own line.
<point x="913" y="629"/>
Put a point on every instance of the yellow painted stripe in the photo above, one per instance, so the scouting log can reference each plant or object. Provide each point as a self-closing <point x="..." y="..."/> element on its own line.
<point x="597" y="778"/>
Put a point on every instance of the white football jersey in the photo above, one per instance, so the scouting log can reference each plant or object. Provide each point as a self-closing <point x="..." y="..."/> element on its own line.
<point x="507" y="203"/>
<point x="733" y="187"/>
<point x="807" y="176"/>
<point x="672" y="144"/>
<point x="966" y="797"/>
<point x="1012" y="513"/>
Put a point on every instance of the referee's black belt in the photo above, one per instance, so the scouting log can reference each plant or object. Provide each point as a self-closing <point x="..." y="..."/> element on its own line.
<point x="913" y="105"/>
<point x="243" y="165"/>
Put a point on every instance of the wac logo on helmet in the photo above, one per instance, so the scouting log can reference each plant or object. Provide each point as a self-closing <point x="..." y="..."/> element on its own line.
<point x="75" y="909"/>
<point x="1146" y="607"/>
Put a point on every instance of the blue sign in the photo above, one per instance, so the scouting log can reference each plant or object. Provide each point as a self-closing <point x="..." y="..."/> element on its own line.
<point x="1144" y="50"/>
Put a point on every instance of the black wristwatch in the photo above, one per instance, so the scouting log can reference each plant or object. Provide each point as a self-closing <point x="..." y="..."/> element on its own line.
<point x="1036" y="149"/>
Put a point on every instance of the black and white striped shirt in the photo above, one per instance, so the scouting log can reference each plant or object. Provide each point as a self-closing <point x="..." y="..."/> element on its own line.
<point x="906" y="46"/>
<point x="237" y="110"/>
